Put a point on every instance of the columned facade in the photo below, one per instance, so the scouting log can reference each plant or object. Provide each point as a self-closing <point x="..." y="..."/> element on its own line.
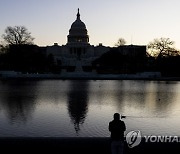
<point x="77" y="55"/>
<point x="77" y="52"/>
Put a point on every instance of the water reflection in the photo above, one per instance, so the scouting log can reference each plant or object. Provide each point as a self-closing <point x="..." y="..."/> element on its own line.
<point x="132" y="93"/>
<point x="145" y="98"/>
<point x="165" y="97"/>
<point x="78" y="102"/>
<point x="43" y="108"/>
<point x="17" y="100"/>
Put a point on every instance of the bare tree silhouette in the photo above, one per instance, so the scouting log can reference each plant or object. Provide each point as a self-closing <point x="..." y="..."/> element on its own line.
<point x="120" y="42"/>
<point x="162" y="47"/>
<point x="17" y="35"/>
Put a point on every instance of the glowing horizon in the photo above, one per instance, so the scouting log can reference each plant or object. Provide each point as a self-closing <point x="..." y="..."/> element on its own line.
<point x="138" y="21"/>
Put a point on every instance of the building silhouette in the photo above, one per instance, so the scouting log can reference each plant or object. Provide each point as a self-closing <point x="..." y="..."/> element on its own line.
<point x="78" y="50"/>
<point x="78" y="54"/>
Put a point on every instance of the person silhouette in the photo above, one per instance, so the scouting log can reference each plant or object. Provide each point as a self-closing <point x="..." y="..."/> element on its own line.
<point x="117" y="128"/>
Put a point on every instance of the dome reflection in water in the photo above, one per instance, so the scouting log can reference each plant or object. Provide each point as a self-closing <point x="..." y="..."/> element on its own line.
<point x="78" y="103"/>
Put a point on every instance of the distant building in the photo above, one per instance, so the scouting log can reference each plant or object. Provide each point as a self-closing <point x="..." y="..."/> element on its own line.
<point x="77" y="48"/>
<point x="79" y="53"/>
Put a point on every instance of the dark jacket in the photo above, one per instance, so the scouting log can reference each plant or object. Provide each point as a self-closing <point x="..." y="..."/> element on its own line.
<point x="117" y="128"/>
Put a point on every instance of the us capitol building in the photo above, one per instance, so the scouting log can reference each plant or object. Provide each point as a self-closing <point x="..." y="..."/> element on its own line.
<point x="77" y="52"/>
<point x="77" y="55"/>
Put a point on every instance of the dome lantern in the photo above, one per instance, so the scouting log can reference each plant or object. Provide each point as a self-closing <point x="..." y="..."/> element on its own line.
<point x="78" y="15"/>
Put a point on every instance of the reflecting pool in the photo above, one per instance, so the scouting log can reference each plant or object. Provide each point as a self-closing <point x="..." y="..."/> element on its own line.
<point x="83" y="108"/>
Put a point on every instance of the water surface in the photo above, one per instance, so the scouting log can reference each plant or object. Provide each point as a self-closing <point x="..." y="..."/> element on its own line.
<point x="70" y="108"/>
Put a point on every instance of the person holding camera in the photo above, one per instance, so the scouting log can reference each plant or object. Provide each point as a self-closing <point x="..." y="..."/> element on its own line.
<point x="117" y="128"/>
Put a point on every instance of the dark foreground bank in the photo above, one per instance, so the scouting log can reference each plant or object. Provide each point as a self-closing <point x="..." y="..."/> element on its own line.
<point x="80" y="146"/>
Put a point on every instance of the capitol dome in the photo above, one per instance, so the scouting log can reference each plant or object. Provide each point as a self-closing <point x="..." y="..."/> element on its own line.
<point x="78" y="32"/>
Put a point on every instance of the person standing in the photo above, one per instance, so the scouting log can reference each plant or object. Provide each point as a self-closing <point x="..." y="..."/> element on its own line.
<point x="117" y="128"/>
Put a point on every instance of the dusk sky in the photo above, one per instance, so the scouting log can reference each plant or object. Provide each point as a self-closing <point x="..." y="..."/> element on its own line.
<point x="137" y="21"/>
